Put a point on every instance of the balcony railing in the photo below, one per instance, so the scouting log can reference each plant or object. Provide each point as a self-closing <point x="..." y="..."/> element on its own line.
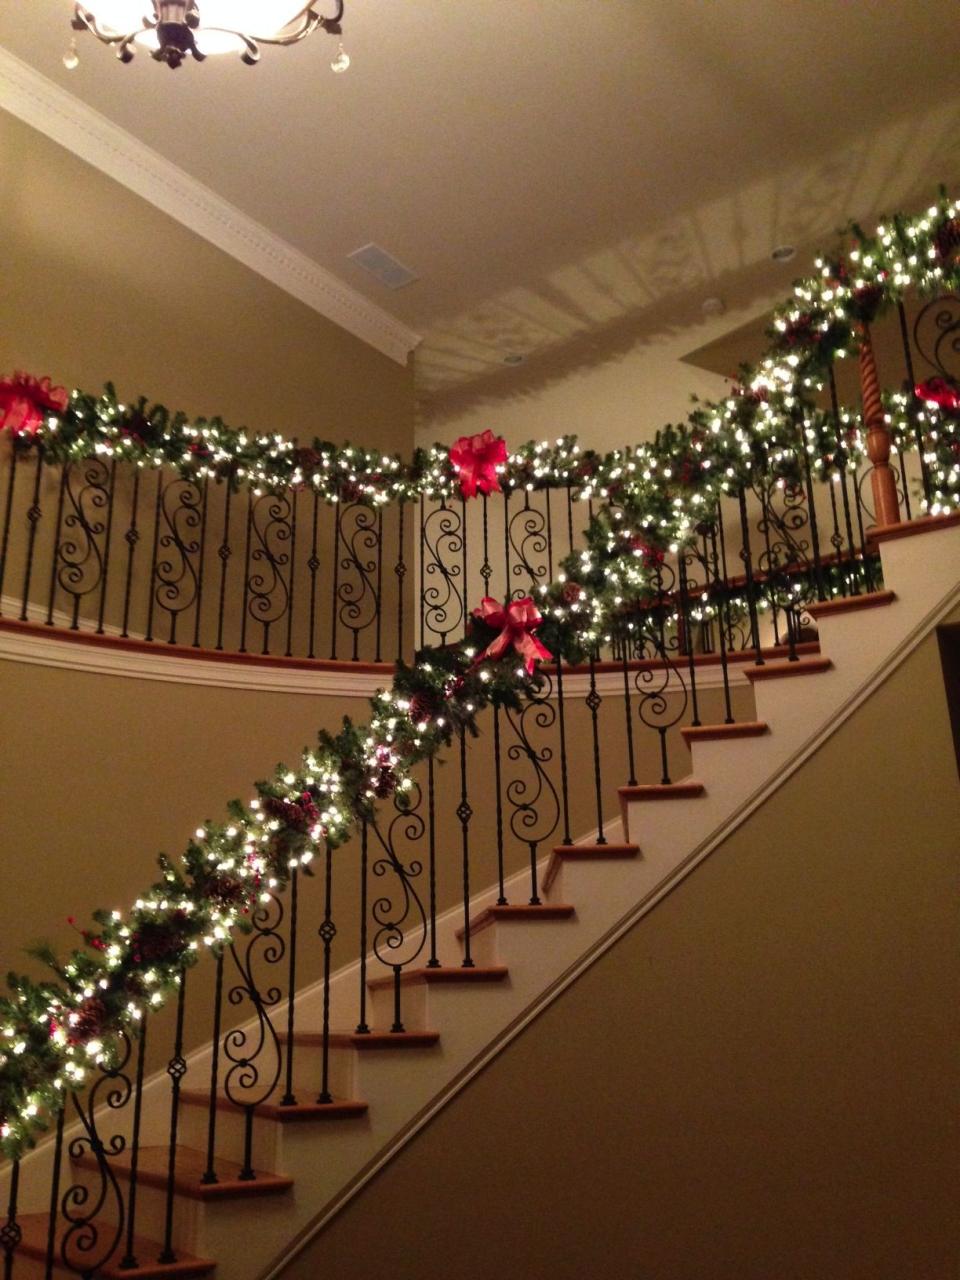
<point x="100" y="545"/>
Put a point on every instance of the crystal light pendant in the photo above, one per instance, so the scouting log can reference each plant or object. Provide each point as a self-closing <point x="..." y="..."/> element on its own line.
<point x="174" y="30"/>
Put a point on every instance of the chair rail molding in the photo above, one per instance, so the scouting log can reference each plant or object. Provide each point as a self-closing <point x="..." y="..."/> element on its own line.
<point x="53" y="111"/>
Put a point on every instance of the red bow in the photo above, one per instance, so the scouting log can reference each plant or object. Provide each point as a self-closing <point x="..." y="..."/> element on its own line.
<point x="939" y="392"/>
<point x="518" y="621"/>
<point x="475" y="460"/>
<point x="25" y="402"/>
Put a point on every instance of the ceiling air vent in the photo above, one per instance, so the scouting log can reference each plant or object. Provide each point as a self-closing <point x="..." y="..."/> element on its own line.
<point x="380" y="264"/>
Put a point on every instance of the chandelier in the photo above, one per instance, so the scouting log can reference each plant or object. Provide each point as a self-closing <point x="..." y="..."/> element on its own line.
<point x="177" y="29"/>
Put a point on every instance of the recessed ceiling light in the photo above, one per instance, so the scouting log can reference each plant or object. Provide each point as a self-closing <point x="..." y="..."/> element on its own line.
<point x="712" y="307"/>
<point x="784" y="253"/>
<point x="513" y="358"/>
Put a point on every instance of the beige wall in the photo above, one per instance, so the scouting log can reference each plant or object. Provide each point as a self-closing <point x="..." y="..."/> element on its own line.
<point x="759" y="1081"/>
<point x="98" y="285"/>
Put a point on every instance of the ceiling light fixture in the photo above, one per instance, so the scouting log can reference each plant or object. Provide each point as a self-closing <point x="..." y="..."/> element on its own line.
<point x="174" y="30"/>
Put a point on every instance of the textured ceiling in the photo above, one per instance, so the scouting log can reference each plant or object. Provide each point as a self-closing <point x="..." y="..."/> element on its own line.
<point x="557" y="173"/>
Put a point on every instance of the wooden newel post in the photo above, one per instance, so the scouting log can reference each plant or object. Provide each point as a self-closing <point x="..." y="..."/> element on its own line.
<point x="886" y="504"/>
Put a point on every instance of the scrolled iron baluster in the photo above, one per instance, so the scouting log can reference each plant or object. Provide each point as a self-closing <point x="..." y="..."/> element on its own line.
<point x="527" y="533"/>
<point x="224" y="554"/>
<point x="844" y="488"/>
<point x="176" y="1070"/>
<point x="131" y="537"/>
<point x="86" y="1243"/>
<point x="201" y="561"/>
<point x="658" y="684"/>
<point x="268" y="591"/>
<point x="57" y="526"/>
<point x="535" y="802"/>
<point x="252" y="1076"/>
<point x="936" y="335"/>
<point x="107" y="543"/>
<point x="357" y="596"/>
<point x="402" y="927"/>
<point x="176" y="575"/>
<point x="911" y="383"/>
<point x="130" y="1259"/>
<point x="80" y="556"/>
<point x="443" y="609"/>
<point x="327" y="933"/>
<point x="464" y="814"/>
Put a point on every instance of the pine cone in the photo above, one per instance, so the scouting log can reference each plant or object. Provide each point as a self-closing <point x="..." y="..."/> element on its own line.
<point x="88" y="1022"/>
<point x="947" y="238"/>
<point x="424" y="705"/>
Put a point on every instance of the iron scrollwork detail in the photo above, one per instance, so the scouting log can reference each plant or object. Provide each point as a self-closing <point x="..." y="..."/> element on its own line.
<point x="271" y="523"/>
<point x="357" y="595"/>
<point x="177" y="573"/>
<point x="442" y="538"/>
<point x="79" y="552"/>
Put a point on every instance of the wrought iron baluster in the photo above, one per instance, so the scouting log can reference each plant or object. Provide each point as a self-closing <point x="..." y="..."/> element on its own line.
<point x="746" y="556"/>
<point x="379" y="589"/>
<point x="686" y="624"/>
<point x="402" y="926"/>
<point x="433" y="962"/>
<point x="313" y="564"/>
<point x="535" y="802"/>
<point x="564" y="783"/>
<point x="153" y="556"/>
<point x="357" y="597"/>
<point x="11" y="1233"/>
<point x="723" y="616"/>
<point x="400" y="571"/>
<point x="34" y="516"/>
<point x="210" y="1175"/>
<point x="130" y="1261"/>
<point x="498" y="794"/>
<point x="51" y="1254"/>
<point x="289" y="1098"/>
<point x="254" y="1052"/>
<point x="363" y="1027"/>
<point x="327" y="932"/>
<point x="464" y="814"/>
<point x="654" y="682"/>
<point x="442" y="540"/>
<point x="336" y="581"/>
<point x="814" y="527"/>
<point x="107" y="543"/>
<point x="246" y="574"/>
<point x="175" y="574"/>
<point x="844" y="490"/>
<point x="91" y="1236"/>
<point x="176" y="1070"/>
<point x="627" y="707"/>
<point x="131" y="537"/>
<point x="292" y="503"/>
<point x="80" y="559"/>
<point x="58" y="525"/>
<point x="7" y="514"/>
<point x="201" y="560"/>
<point x="268" y="592"/>
<point x="224" y="551"/>
<point x="594" y="702"/>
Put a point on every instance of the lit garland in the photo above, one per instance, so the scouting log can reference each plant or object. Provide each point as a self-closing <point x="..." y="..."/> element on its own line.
<point x="651" y="499"/>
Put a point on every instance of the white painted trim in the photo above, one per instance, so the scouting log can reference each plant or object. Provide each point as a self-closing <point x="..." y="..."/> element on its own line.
<point x="168" y="668"/>
<point x="45" y="106"/>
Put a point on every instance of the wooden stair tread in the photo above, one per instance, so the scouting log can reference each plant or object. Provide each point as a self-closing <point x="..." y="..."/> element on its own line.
<point x="663" y="791"/>
<point x="338" y="1109"/>
<point x="365" y="1041"/>
<point x="479" y="974"/>
<point x="519" y="911"/>
<point x="720" y="732"/>
<point x="910" y="528"/>
<point x="849" y="604"/>
<point x="779" y="670"/>
<point x="34" y="1245"/>
<point x="190" y="1168"/>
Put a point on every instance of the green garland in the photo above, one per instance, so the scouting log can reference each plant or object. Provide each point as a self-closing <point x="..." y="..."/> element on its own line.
<point x="651" y="500"/>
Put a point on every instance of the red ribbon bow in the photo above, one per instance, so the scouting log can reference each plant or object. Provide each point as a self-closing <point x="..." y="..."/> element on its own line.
<point x="475" y="460"/>
<point x="25" y="401"/>
<point x="939" y="392"/>
<point x="518" y="621"/>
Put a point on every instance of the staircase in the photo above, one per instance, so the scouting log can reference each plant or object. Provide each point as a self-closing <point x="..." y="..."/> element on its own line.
<point x="309" y="1157"/>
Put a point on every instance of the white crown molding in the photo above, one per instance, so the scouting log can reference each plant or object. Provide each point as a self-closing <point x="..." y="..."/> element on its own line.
<point x="45" y="106"/>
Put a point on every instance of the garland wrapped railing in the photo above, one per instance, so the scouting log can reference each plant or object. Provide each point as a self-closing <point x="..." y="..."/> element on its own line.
<point x="652" y="584"/>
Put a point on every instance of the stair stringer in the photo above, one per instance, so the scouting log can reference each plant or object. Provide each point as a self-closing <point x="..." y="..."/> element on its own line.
<point x="739" y="776"/>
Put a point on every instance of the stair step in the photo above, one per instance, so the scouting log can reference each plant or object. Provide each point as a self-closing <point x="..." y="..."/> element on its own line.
<point x="34" y="1245"/>
<point x="444" y="975"/>
<point x="662" y="791"/>
<point x="849" y="604"/>
<point x="720" y="732"/>
<point x="190" y="1168"/>
<point x="777" y="670"/>
<point x="585" y="853"/>
<point x="522" y="911"/>
<point x="365" y="1041"/>
<point x="909" y="528"/>
<point x="339" y="1109"/>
